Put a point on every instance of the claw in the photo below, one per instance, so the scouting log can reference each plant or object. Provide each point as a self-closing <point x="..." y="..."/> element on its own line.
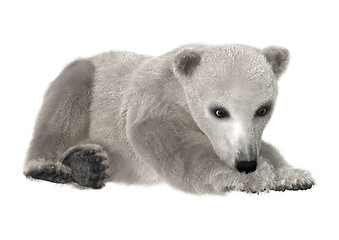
<point x="300" y="183"/>
<point x="274" y="187"/>
<point x="246" y="190"/>
<point x="39" y="170"/>
<point x="258" y="192"/>
<point x="312" y="182"/>
<point x="49" y="169"/>
<point x="308" y="182"/>
<point x="267" y="190"/>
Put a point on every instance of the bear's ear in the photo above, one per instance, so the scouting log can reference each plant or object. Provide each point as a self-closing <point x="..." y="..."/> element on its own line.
<point x="278" y="58"/>
<point x="185" y="61"/>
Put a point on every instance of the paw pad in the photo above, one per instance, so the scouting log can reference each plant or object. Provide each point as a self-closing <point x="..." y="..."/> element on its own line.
<point x="88" y="167"/>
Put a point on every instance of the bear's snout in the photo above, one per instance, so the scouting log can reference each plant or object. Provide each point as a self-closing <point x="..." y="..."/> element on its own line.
<point x="246" y="166"/>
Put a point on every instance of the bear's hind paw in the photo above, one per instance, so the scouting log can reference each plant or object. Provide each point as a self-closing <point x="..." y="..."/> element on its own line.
<point x="53" y="172"/>
<point x="88" y="166"/>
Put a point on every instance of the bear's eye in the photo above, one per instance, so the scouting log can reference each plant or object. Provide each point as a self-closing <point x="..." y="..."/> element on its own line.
<point x="262" y="111"/>
<point x="221" y="113"/>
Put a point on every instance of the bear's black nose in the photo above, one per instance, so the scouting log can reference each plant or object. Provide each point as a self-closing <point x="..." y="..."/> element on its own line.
<point x="246" y="166"/>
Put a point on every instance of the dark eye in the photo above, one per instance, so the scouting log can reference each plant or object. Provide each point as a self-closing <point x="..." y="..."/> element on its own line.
<point x="221" y="113"/>
<point x="262" y="111"/>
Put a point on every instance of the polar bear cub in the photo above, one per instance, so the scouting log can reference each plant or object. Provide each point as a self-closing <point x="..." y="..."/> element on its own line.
<point x="193" y="118"/>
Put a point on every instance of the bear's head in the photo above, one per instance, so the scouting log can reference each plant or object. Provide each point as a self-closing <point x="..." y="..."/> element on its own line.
<point x="231" y="92"/>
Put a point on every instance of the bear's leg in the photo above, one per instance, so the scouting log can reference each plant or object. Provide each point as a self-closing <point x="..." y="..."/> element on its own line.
<point x="182" y="157"/>
<point x="63" y="122"/>
<point x="286" y="177"/>
<point x="85" y="164"/>
<point x="274" y="173"/>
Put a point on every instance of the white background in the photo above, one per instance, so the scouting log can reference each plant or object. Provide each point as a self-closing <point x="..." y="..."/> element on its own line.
<point x="38" y="38"/>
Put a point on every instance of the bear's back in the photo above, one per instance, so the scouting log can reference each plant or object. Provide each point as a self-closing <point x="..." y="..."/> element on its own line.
<point x="113" y="70"/>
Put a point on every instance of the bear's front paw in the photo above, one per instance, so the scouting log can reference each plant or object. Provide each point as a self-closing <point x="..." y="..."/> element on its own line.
<point x="260" y="180"/>
<point x="226" y="180"/>
<point x="256" y="187"/>
<point x="293" y="179"/>
<point x="88" y="167"/>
